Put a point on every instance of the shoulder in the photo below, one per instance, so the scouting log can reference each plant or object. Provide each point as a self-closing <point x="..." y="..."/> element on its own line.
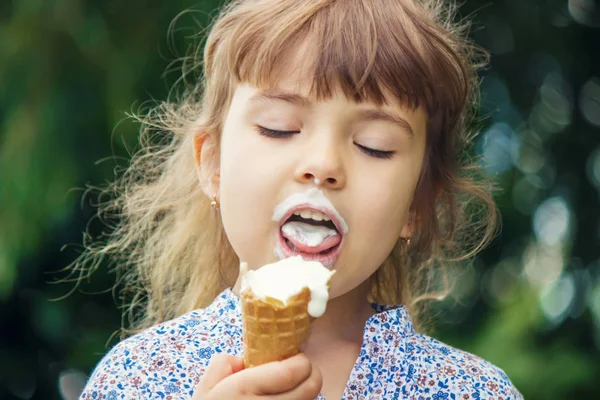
<point x="445" y="372"/>
<point x="168" y="358"/>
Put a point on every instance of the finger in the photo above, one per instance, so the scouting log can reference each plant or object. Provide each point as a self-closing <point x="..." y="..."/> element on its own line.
<point x="283" y="376"/>
<point x="309" y="389"/>
<point x="221" y="366"/>
<point x="272" y="378"/>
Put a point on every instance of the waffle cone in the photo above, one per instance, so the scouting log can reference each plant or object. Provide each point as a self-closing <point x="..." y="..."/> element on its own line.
<point x="272" y="330"/>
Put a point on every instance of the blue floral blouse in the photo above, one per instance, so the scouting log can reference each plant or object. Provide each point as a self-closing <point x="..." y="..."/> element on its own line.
<point x="168" y="360"/>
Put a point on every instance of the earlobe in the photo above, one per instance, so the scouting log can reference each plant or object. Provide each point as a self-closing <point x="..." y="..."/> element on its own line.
<point x="206" y="157"/>
<point x="410" y="227"/>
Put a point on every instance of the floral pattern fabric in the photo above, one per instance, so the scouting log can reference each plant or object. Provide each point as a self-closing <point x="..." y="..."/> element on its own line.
<point x="168" y="360"/>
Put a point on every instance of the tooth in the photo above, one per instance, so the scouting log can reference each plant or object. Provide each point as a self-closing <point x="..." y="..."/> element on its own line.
<point x="309" y="214"/>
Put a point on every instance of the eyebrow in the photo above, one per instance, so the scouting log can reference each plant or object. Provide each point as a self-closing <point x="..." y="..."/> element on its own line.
<point x="380" y="115"/>
<point x="301" y="101"/>
<point x="292" y="98"/>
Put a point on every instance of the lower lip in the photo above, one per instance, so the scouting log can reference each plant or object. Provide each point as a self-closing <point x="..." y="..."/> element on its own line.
<point x="328" y="260"/>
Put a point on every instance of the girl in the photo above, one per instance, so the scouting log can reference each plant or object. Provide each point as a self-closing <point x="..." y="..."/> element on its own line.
<point x="351" y="116"/>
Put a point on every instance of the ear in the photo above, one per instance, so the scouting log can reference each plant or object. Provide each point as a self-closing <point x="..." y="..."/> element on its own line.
<point x="207" y="157"/>
<point x="410" y="226"/>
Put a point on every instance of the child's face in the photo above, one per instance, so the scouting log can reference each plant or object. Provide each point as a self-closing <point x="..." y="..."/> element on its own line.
<point x="328" y="150"/>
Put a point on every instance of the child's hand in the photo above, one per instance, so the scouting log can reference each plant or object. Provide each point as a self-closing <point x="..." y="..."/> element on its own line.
<point x="225" y="378"/>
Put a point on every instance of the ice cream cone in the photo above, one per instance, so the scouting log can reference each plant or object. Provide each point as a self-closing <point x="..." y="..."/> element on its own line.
<point x="279" y="303"/>
<point x="273" y="330"/>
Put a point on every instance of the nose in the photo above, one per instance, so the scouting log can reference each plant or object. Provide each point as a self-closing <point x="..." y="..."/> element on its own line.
<point x="322" y="164"/>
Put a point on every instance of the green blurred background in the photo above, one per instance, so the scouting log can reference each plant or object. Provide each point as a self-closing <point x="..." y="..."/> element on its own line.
<point x="71" y="69"/>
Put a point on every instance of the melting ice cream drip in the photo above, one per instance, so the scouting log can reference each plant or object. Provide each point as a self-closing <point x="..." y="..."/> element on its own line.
<point x="288" y="277"/>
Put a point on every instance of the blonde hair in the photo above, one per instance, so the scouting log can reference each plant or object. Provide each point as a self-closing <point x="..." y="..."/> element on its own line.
<point x="167" y="244"/>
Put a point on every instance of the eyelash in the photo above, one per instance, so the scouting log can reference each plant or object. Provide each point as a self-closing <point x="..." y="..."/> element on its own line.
<point x="375" y="153"/>
<point x="273" y="133"/>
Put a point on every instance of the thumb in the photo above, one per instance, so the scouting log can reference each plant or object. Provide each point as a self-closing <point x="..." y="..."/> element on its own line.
<point x="221" y="366"/>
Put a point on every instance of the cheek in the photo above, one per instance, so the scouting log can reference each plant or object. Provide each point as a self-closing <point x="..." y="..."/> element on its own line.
<point x="246" y="199"/>
<point x="239" y="169"/>
<point x="385" y="206"/>
<point x="240" y="176"/>
<point x="247" y="160"/>
<point x="378" y="230"/>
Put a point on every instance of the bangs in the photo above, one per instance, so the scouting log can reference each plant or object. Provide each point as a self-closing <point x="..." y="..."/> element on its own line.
<point x="371" y="51"/>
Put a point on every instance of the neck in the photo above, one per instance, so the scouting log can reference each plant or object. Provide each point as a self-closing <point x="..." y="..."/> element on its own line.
<point x="343" y="321"/>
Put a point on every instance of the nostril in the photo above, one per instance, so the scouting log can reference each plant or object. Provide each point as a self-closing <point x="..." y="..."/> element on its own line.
<point x="310" y="177"/>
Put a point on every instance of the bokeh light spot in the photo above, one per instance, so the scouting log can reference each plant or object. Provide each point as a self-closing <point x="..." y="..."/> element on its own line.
<point x="71" y="383"/>
<point x="501" y="282"/>
<point x="556" y="299"/>
<point x="594" y="303"/>
<point x="552" y="221"/>
<point x="531" y="157"/>
<point x="585" y="12"/>
<point x="589" y="101"/>
<point x="593" y="168"/>
<point x="553" y="112"/>
<point x="500" y="148"/>
<point x="542" y="264"/>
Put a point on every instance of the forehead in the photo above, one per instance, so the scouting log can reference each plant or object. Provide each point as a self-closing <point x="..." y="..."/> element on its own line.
<point x="295" y="77"/>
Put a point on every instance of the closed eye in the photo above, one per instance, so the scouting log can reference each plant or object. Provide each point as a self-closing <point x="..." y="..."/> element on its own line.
<point x="375" y="153"/>
<point x="274" y="133"/>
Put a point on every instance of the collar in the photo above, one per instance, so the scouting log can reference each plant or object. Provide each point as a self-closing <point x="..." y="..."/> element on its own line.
<point x="391" y="323"/>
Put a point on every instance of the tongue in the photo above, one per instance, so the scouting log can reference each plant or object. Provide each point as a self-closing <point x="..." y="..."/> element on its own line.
<point x="309" y="238"/>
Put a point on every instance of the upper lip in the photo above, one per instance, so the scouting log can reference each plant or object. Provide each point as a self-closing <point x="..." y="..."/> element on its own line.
<point x="332" y="214"/>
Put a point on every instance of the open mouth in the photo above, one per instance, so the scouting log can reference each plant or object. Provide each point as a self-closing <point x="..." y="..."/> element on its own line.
<point x="312" y="234"/>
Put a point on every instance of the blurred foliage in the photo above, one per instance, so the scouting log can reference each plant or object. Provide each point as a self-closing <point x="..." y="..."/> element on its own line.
<point x="70" y="69"/>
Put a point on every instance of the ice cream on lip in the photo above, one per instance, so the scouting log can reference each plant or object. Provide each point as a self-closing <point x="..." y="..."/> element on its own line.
<point x="313" y="198"/>
<point x="310" y="226"/>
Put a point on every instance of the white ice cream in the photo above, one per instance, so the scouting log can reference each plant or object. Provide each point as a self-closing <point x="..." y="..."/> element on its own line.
<point x="286" y="278"/>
